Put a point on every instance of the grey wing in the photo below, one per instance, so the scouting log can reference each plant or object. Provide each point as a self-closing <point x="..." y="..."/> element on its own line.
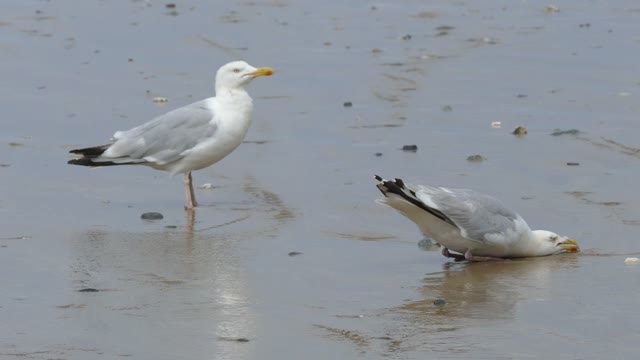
<point x="164" y="139"/>
<point x="480" y="217"/>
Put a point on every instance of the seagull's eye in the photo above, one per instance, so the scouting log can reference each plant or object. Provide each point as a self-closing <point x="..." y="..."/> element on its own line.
<point x="236" y="70"/>
<point x="553" y="238"/>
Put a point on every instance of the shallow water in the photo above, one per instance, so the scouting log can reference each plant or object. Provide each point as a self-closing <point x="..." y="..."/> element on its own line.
<point x="221" y="283"/>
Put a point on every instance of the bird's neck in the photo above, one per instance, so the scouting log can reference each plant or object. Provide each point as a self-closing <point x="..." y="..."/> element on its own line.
<point x="231" y="92"/>
<point x="237" y="100"/>
<point x="535" y="245"/>
<point x="234" y="97"/>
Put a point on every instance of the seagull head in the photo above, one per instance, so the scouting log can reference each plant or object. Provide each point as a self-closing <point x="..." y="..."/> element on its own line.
<point x="551" y="243"/>
<point x="237" y="74"/>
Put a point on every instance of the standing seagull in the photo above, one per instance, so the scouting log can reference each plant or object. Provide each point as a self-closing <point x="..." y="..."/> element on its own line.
<point x="470" y="223"/>
<point x="188" y="138"/>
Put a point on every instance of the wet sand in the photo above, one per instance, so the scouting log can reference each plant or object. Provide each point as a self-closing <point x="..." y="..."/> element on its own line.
<point x="289" y="257"/>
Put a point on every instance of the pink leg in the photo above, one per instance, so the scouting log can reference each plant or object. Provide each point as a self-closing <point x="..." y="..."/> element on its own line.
<point x="446" y="253"/>
<point x="188" y="187"/>
<point x="471" y="257"/>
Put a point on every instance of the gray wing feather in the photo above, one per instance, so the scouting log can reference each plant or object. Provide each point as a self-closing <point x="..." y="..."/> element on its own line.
<point x="164" y="139"/>
<point x="477" y="215"/>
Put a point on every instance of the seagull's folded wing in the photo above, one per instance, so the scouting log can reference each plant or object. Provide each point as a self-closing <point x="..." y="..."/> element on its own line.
<point x="480" y="217"/>
<point x="164" y="139"/>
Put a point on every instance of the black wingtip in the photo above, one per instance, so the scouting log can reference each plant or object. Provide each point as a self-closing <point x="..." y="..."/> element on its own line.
<point x="398" y="187"/>
<point x="383" y="189"/>
<point x="88" y="156"/>
<point x="81" y="161"/>
<point x="394" y="186"/>
<point x="90" y="162"/>
<point x="90" y="152"/>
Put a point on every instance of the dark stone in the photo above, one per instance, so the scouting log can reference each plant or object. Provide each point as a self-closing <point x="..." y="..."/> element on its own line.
<point x="520" y="131"/>
<point x="294" y="253"/>
<point x="412" y="148"/>
<point x="475" y="158"/>
<point x="347" y="104"/>
<point x="558" y="132"/>
<point x="439" y="302"/>
<point x="428" y="245"/>
<point x="151" y="216"/>
<point x="88" y="290"/>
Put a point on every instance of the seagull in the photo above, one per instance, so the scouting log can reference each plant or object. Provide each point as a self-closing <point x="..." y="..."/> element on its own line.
<point x="467" y="222"/>
<point x="189" y="138"/>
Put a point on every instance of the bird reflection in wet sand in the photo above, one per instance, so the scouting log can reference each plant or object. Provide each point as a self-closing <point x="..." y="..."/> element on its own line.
<point x="473" y="296"/>
<point x="191" y="279"/>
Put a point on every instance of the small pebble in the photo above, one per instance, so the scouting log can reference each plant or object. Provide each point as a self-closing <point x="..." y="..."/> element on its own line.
<point x="427" y="244"/>
<point x="558" y="132"/>
<point x="412" y="148"/>
<point x="206" y="186"/>
<point x="376" y="51"/>
<point x="520" y="96"/>
<point x="294" y="253"/>
<point x="347" y="104"/>
<point x="171" y="227"/>
<point x="496" y="124"/>
<point x="160" y="100"/>
<point x="573" y="164"/>
<point x="447" y="108"/>
<point x="88" y="290"/>
<point x="243" y="340"/>
<point x="488" y="40"/>
<point x="406" y="37"/>
<point x="520" y="131"/>
<point x="378" y="154"/>
<point x="475" y="158"/>
<point x="551" y="9"/>
<point x="632" y="260"/>
<point x="170" y="6"/>
<point x="151" y="216"/>
<point x="439" y="302"/>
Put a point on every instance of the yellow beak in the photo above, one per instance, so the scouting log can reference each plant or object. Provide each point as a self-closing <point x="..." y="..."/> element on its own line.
<point x="263" y="71"/>
<point x="570" y="245"/>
